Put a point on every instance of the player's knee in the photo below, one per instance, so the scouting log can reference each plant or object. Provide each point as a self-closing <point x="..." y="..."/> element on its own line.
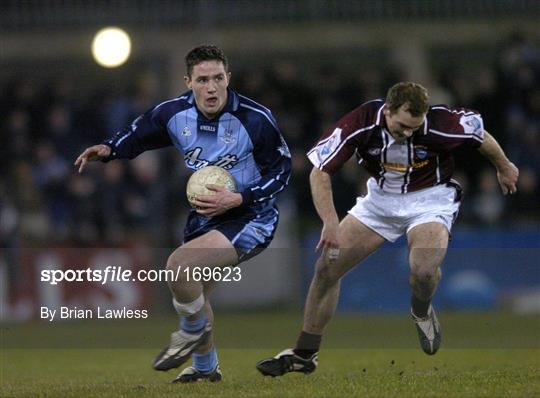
<point x="426" y="257"/>
<point x="172" y="263"/>
<point x="175" y="264"/>
<point x="326" y="272"/>
<point x="424" y="273"/>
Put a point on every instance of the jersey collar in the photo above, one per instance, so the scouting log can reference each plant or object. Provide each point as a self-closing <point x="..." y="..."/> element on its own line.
<point x="379" y="116"/>
<point x="233" y="101"/>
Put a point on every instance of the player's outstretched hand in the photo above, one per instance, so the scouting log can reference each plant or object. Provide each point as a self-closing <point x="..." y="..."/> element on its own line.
<point x="508" y="177"/>
<point x="93" y="153"/>
<point x="214" y="205"/>
<point x="329" y="241"/>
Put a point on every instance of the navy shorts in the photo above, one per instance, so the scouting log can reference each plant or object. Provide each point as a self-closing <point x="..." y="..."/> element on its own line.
<point x="250" y="232"/>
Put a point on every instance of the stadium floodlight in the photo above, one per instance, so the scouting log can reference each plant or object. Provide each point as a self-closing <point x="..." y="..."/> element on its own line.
<point x="111" y="47"/>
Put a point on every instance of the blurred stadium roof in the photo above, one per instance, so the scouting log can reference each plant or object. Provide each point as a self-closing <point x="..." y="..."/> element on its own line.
<point x="58" y="14"/>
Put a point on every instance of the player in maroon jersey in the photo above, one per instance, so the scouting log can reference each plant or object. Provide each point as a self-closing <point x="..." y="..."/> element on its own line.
<point x="406" y="146"/>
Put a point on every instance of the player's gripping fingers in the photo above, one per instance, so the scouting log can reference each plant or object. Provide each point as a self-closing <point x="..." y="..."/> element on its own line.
<point x="205" y="200"/>
<point x="210" y="212"/>
<point x="215" y="188"/>
<point x="205" y="212"/>
<point x="202" y="205"/>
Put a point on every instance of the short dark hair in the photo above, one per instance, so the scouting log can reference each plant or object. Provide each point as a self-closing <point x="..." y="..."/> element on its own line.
<point x="412" y="94"/>
<point x="205" y="53"/>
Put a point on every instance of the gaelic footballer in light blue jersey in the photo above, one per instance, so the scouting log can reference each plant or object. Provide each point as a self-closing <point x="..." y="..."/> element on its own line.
<point x="244" y="139"/>
<point x="210" y="125"/>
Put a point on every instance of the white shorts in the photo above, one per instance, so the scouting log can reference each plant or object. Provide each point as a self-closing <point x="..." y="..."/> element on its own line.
<point x="391" y="215"/>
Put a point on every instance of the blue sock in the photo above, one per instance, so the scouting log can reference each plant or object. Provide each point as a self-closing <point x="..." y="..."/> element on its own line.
<point x="205" y="363"/>
<point x="193" y="326"/>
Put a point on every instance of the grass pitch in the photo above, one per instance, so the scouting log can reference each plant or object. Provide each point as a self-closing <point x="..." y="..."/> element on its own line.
<point x="483" y="355"/>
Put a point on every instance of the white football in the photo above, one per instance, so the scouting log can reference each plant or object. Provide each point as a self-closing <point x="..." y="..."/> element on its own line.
<point x="196" y="184"/>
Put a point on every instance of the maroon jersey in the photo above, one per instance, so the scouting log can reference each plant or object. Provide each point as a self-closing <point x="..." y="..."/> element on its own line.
<point x="423" y="160"/>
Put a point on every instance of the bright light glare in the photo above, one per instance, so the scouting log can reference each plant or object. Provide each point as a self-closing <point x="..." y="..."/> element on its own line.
<point x="111" y="47"/>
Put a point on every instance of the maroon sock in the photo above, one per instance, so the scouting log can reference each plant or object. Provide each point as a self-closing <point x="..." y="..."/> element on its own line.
<point x="307" y="344"/>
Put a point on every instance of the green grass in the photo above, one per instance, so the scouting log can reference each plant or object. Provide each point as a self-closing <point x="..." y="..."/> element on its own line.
<point x="483" y="355"/>
<point x="342" y="373"/>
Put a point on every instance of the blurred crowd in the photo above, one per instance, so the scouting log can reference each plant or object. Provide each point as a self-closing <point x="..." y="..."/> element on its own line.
<point x="46" y="124"/>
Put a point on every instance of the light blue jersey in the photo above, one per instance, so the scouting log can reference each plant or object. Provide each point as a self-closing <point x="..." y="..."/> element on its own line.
<point x="244" y="139"/>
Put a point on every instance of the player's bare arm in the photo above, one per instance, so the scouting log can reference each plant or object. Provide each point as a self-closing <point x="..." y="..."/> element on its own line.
<point x="507" y="172"/>
<point x="93" y="153"/>
<point x="222" y="201"/>
<point x="321" y="191"/>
